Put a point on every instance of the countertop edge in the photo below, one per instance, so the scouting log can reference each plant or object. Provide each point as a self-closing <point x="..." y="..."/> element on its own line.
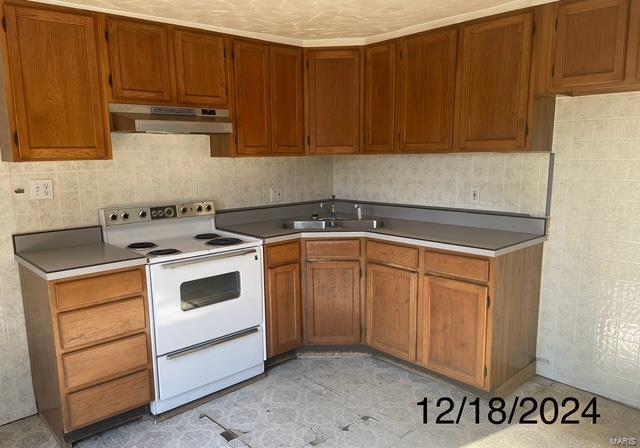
<point x="74" y="272"/>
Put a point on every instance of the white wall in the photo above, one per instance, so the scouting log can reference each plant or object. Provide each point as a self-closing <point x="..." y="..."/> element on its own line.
<point x="144" y="168"/>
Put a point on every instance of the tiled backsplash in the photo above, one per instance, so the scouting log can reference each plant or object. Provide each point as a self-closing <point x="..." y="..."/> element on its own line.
<point x="589" y="328"/>
<point x="505" y="182"/>
<point x="145" y="168"/>
<point x="590" y="307"/>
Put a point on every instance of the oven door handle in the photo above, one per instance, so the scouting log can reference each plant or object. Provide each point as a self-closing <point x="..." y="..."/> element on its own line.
<point x="235" y="253"/>
<point x="211" y="343"/>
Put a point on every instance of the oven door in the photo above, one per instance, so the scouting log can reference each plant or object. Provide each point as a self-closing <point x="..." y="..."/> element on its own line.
<point x="204" y="298"/>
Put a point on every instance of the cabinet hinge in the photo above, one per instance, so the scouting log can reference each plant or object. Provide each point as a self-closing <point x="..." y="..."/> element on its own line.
<point x="4" y="23"/>
<point x="308" y="140"/>
<point x="556" y="24"/>
<point x="485" y="371"/>
<point x="16" y="140"/>
<point x="488" y="301"/>
<point x="110" y="80"/>
<point x="106" y="36"/>
<point x="553" y="69"/>
<point x="526" y="130"/>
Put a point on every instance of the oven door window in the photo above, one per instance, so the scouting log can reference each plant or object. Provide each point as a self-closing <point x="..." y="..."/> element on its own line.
<point x="209" y="290"/>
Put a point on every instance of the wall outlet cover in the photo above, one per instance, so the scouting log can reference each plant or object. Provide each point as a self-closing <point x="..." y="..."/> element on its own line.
<point x="475" y="195"/>
<point x="41" y="189"/>
<point x="276" y="194"/>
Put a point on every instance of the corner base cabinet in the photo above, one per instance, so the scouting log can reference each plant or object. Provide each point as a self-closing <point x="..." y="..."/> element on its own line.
<point x="89" y="349"/>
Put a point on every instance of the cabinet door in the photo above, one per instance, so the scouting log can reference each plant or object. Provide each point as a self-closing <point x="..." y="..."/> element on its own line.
<point x="332" y="302"/>
<point x="59" y="108"/>
<point x="283" y="304"/>
<point x="392" y="300"/>
<point x="455" y="329"/>
<point x="286" y="100"/>
<point x="426" y="90"/>
<point x="333" y="106"/>
<point x="251" y="67"/>
<point x="201" y="69"/>
<point x="141" y="66"/>
<point x="590" y="43"/>
<point x="493" y="94"/>
<point x="379" y="98"/>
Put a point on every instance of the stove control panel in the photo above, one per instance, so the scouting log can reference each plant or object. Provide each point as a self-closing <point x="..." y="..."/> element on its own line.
<point x="130" y="215"/>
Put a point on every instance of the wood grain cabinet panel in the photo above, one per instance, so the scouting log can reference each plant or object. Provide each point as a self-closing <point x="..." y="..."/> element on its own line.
<point x="60" y="112"/>
<point x="392" y="299"/>
<point x="201" y="68"/>
<point x="285" y="253"/>
<point x="332" y="249"/>
<point x="379" y="98"/>
<point x="251" y="68"/>
<point x="403" y="256"/>
<point x="454" y="339"/>
<point x="590" y="43"/>
<point x="426" y="90"/>
<point x="333" y="94"/>
<point x="493" y="92"/>
<point x="141" y="58"/>
<point x="287" y="106"/>
<point x="475" y="269"/>
<point x="332" y="302"/>
<point x="284" y="326"/>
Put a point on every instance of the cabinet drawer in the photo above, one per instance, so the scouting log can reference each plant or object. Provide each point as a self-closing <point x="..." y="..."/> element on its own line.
<point x="283" y="253"/>
<point x="108" y="399"/>
<point x="91" y="290"/>
<point x="333" y="249"/>
<point x="106" y="361"/>
<point x="392" y="254"/>
<point x="100" y="323"/>
<point x="457" y="266"/>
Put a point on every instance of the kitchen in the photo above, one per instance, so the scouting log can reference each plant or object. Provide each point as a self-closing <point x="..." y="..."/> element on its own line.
<point x="408" y="142"/>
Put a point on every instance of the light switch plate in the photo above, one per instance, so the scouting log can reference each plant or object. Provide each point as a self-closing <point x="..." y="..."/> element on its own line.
<point x="41" y="189"/>
<point x="475" y="195"/>
<point x="276" y="194"/>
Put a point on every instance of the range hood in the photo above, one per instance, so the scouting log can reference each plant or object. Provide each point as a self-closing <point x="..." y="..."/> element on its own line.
<point x="169" y="120"/>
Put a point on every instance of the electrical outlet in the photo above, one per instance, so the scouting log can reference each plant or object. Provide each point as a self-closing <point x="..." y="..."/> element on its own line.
<point x="276" y="194"/>
<point x="475" y="195"/>
<point x="41" y="189"/>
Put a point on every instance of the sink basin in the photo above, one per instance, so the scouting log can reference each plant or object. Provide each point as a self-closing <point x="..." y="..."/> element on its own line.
<point x="341" y="223"/>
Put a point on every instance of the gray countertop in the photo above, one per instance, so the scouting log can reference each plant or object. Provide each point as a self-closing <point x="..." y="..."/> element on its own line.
<point x="472" y="237"/>
<point x="59" y="259"/>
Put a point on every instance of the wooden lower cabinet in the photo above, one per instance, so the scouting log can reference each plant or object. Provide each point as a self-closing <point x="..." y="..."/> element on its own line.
<point x="392" y="299"/>
<point x="332" y="302"/>
<point x="284" y="330"/>
<point x="89" y="347"/>
<point x="454" y="340"/>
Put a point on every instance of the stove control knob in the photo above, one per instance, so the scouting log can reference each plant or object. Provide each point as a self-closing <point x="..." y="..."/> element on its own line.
<point x="207" y="207"/>
<point x="125" y="216"/>
<point x="142" y="214"/>
<point x="113" y="217"/>
<point x="199" y="208"/>
<point x="168" y="212"/>
<point x="183" y="210"/>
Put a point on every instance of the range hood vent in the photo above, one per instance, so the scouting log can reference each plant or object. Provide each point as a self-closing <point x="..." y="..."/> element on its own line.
<point x="169" y="120"/>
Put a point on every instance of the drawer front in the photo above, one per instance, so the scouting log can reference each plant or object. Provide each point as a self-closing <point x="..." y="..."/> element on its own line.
<point x="92" y="290"/>
<point x="283" y="253"/>
<point x="108" y="399"/>
<point x="457" y="266"/>
<point x="332" y="249"/>
<point x="103" y="362"/>
<point x="100" y="323"/>
<point x="390" y="253"/>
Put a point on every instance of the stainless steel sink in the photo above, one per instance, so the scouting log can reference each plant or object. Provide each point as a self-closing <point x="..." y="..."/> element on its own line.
<point x="320" y="224"/>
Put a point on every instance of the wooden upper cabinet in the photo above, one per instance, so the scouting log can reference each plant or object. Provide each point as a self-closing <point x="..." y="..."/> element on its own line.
<point x="590" y="43"/>
<point x="332" y="302"/>
<point x="60" y="112"/>
<point x="287" y="104"/>
<point x="426" y="90"/>
<point x="392" y="299"/>
<point x="379" y="98"/>
<point x="141" y="61"/>
<point x="493" y="93"/>
<point x="201" y="69"/>
<point x="454" y="329"/>
<point x="251" y="70"/>
<point x="333" y="93"/>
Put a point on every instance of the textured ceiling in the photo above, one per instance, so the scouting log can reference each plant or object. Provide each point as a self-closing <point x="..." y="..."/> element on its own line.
<point x="306" y="21"/>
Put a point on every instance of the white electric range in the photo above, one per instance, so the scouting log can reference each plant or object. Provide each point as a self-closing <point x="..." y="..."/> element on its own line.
<point x="206" y="297"/>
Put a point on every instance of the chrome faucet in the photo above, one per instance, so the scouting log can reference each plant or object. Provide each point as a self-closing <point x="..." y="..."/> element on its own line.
<point x="332" y="207"/>
<point x="358" y="210"/>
